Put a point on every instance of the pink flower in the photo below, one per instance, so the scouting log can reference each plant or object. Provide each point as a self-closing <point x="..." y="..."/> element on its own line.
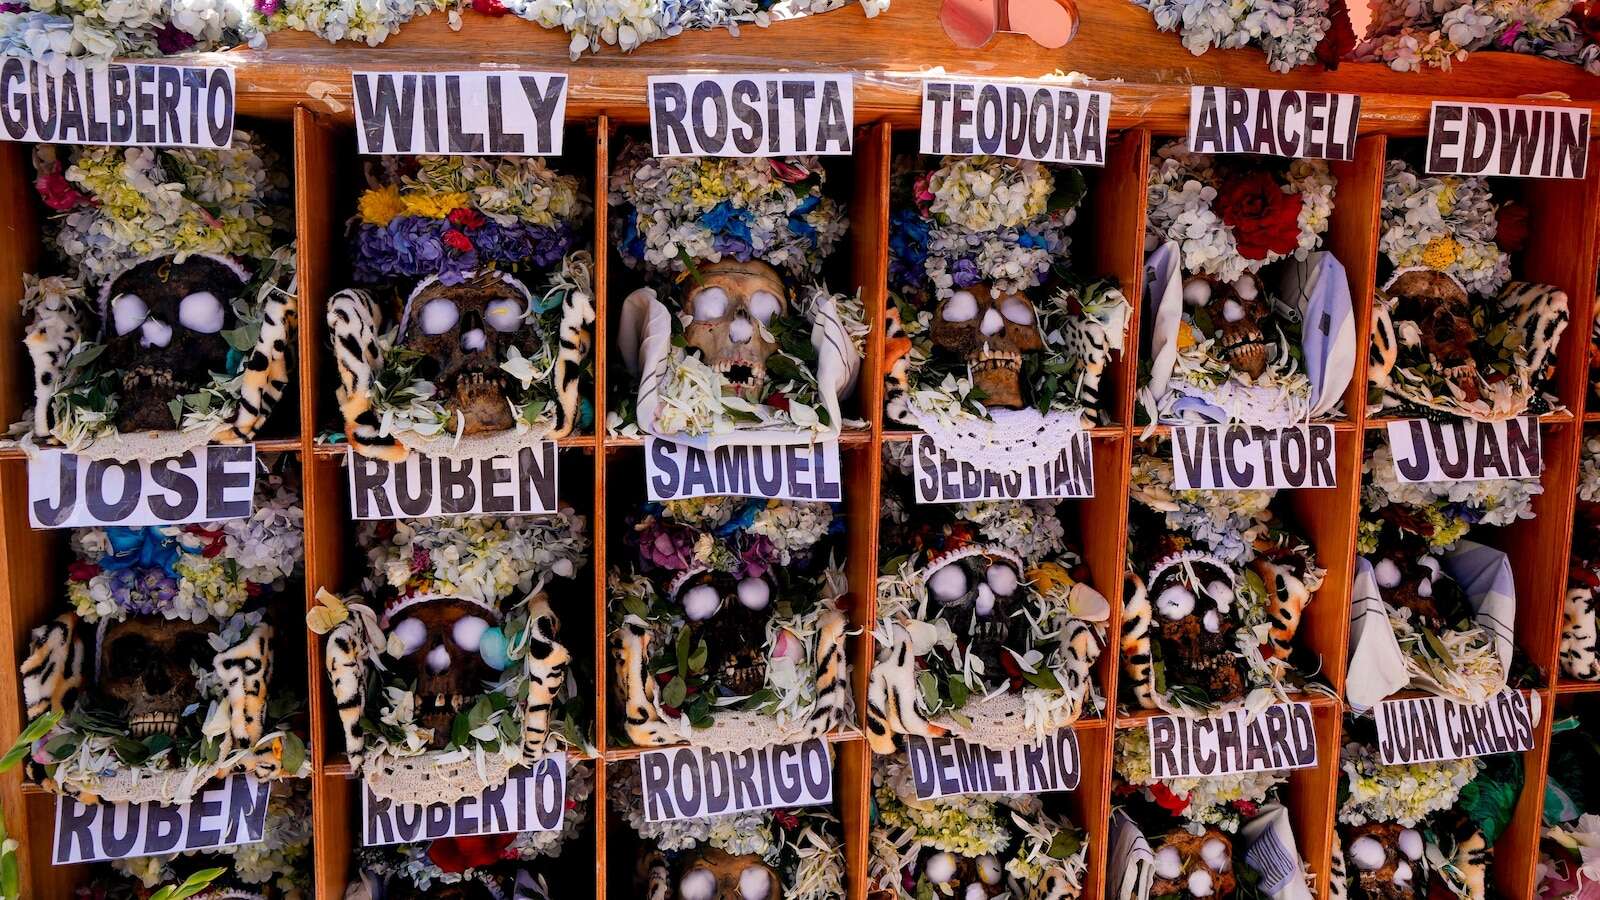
<point x="788" y="173"/>
<point x="1510" y="37"/>
<point x="667" y="546"/>
<point x="57" y="192"/>
<point x="267" y="7"/>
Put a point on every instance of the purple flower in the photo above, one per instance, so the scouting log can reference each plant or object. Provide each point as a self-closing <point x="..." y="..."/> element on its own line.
<point x="756" y="557"/>
<point x="13" y="7"/>
<point x="267" y="7"/>
<point x="666" y="546"/>
<point x="965" y="272"/>
<point x="172" y="39"/>
<point x="416" y="247"/>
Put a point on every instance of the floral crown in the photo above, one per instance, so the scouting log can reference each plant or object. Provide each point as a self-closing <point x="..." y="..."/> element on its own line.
<point x="1408" y="36"/>
<point x="488" y="561"/>
<point x="189" y="572"/>
<point x="1440" y="512"/>
<point x="450" y="216"/>
<point x="1229" y="220"/>
<point x="1224" y="801"/>
<point x="979" y="219"/>
<point x="118" y="205"/>
<point x="44" y="29"/>
<point x="681" y="210"/>
<point x="1442" y="222"/>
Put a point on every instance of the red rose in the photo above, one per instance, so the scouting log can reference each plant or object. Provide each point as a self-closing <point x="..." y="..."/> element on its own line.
<point x="1264" y="219"/>
<point x="56" y="191"/>
<point x="459" y="854"/>
<point x="1586" y="15"/>
<point x="1512" y="230"/>
<point x="1166" y="799"/>
<point x="457" y="241"/>
<point x="785" y="818"/>
<point x="1246" y="808"/>
<point x="777" y="400"/>
<point x="1340" y="38"/>
<point x="462" y="217"/>
<point x="82" y="571"/>
<point x="489" y="7"/>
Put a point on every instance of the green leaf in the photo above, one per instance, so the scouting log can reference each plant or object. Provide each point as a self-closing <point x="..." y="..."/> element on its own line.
<point x="675" y="691"/>
<point x="1044" y="679"/>
<point x="192" y="885"/>
<point x="958" y="691"/>
<point x="480" y="713"/>
<point x="1436" y="647"/>
<point x="36" y="729"/>
<point x="1064" y="845"/>
<point x="9" y="880"/>
<point x="697" y="659"/>
<point x="294" y="752"/>
<point x="460" y="731"/>
<point x="243" y="338"/>
<point x="682" y="650"/>
<point x="930" y="690"/>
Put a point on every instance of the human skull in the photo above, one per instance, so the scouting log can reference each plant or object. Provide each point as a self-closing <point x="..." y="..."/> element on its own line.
<point x="1193" y="865"/>
<point x="1193" y="596"/>
<point x="463" y="332"/>
<point x="148" y="663"/>
<point x="961" y="877"/>
<point x="1438" y="307"/>
<point x="731" y="617"/>
<point x="991" y="333"/>
<point x="447" y="646"/>
<point x="707" y="873"/>
<point x="978" y="592"/>
<point x="1235" y="311"/>
<point x="729" y="309"/>
<point x="162" y="329"/>
<point x="1386" y="859"/>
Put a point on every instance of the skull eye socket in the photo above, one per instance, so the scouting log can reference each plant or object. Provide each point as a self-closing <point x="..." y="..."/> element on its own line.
<point x="754" y="593"/>
<point x="128" y="312"/>
<point x="1002" y="579"/>
<point x="701" y="602"/>
<point x="948" y="584"/>
<point x="764" y="305"/>
<point x="1017" y="310"/>
<point x="467" y="632"/>
<point x="438" y="316"/>
<point x="503" y="315"/>
<point x="755" y="883"/>
<point x="128" y="656"/>
<point x="961" y="307"/>
<point x="709" y="304"/>
<point x="411" y="633"/>
<point x="698" y="884"/>
<point x="201" y="312"/>
<point x="193" y="646"/>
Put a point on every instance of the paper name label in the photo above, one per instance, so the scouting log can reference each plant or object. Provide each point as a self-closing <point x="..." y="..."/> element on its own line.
<point x="532" y="798"/>
<point x="692" y="782"/>
<point x="1430" y="729"/>
<point x="674" y="471"/>
<point x="1248" y="457"/>
<point x="421" y="485"/>
<point x="947" y="766"/>
<point x="1465" y="450"/>
<point x="751" y="115"/>
<point x="1026" y="120"/>
<point x="460" y="113"/>
<point x="227" y="813"/>
<point x="1505" y="139"/>
<point x="941" y="478"/>
<point x="1279" y="737"/>
<point x="1300" y="124"/>
<point x="121" y="104"/>
<point x="210" y="484"/>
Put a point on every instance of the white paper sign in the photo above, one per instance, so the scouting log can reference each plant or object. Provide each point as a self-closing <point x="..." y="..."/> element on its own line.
<point x="121" y="104"/>
<point x="947" y="766"/>
<point x="226" y="813"/>
<point x="674" y="471"/>
<point x="1026" y="120"/>
<point x="1506" y="139"/>
<point x="1465" y="450"/>
<point x="1248" y="457"/>
<point x="532" y="798"/>
<point x="421" y="486"/>
<point x="692" y="782"/>
<point x="1432" y="728"/>
<point x="211" y="484"/>
<point x="751" y="115"/>
<point x="1300" y="124"/>
<point x="941" y="478"/>
<point x="510" y="113"/>
<point x="1279" y="737"/>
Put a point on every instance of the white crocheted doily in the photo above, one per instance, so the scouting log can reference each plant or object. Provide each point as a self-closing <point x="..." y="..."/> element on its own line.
<point x="476" y="446"/>
<point x="426" y="779"/>
<point x="1010" y="441"/>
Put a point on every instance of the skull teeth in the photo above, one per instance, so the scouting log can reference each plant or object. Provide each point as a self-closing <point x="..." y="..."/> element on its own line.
<point x="996" y="359"/>
<point x="438" y="702"/>
<point x="147" y="724"/>
<point x="758" y="371"/>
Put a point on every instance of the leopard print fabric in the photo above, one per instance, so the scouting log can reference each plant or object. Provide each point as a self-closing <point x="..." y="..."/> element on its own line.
<point x="266" y="371"/>
<point x="1137" y="658"/>
<point x="546" y="665"/>
<point x="1579" y="635"/>
<point x="52" y="674"/>
<point x="353" y="323"/>
<point x="52" y="336"/>
<point x="245" y="669"/>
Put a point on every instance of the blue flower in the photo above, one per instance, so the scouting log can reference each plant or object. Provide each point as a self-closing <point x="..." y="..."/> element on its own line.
<point x="725" y="219"/>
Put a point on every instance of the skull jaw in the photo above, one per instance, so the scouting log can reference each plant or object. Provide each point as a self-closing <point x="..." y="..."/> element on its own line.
<point x="744" y="379"/>
<point x="999" y="376"/>
<point x="480" y="400"/>
<point x="1244" y="348"/>
<point x="437" y="714"/>
<point x="145" y="404"/>
<point x="151" y="723"/>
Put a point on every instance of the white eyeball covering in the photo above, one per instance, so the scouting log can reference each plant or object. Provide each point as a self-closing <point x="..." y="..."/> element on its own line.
<point x="468" y="631"/>
<point x="1367" y="853"/>
<point x="755" y="883"/>
<point x="961" y="307"/>
<point x="438" y="316"/>
<point x="128" y="312"/>
<point x="503" y="315"/>
<point x="709" y="304"/>
<point x="411" y="633"/>
<point x="1175" y="602"/>
<point x="698" y="884"/>
<point x="948" y="583"/>
<point x="940" y="868"/>
<point x="701" y="602"/>
<point x="201" y="311"/>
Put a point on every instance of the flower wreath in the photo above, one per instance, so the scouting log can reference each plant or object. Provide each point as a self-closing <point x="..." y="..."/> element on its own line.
<point x="159" y="676"/>
<point x="1580" y="632"/>
<point x="1025" y="672"/>
<point x="1217" y="588"/>
<point x="729" y="630"/>
<point x="1224" y="346"/>
<point x="462" y="676"/>
<point x="1451" y="335"/>
<point x="1408" y="37"/>
<point x="505" y="864"/>
<point x="1441" y="512"/>
<point x="1436" y="621"/>
<point x="1223" y="802"/>
<point x="1424" y="829"/>
<point x="160" y="222"/>
<point x="741" y="348"/>
<point x="87" y="29"/>
<point x="1291" y="34"/>
<point x="278" y="866"/>
<point x="961" y="361"/>
<point x="802" y="848"/>
<point x="926" y="848"/>
<point x="462" y="234"/>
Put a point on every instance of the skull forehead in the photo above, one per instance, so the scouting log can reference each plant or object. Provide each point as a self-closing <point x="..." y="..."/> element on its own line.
<point x="474" y="293"/>
<point x="163" y="279"/>
<point x="725" y="866"/>
<point x="741" y="279"/>
<point x="1428" y="284"/>
<point x="442" y="612"/>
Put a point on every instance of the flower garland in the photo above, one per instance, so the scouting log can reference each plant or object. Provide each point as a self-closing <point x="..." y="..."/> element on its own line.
<point x="455" y="215"/>
<point x="368" y="21"/>
<point x="628" y="25"/>
<point x="1291" y="34"/>
<point x="1406" y="794"/>
<point x="1441" y="511"/>
<point x="96" y="31"/>
<point x="1226" y="522"/>
<point x="1409" y="37"/>
<point x="675" y="211"/>
<point x="1229" y="220"/>
<point x="1442" y="222"/>
<point x="279" y="864"/>
<point x="481" y="558"/>
<point x="1221" y="800"/>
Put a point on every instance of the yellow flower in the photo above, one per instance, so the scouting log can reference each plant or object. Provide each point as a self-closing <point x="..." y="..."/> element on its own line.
<point x="434" y="206"/>
<point x="380" y="205"/>
<point x="1447" y="197"/>
<point x="1186" y="337"/>
<point x="1441" y="252"/>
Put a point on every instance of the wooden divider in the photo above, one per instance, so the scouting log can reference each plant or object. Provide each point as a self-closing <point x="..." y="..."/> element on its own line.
<point x="603" y="475"/>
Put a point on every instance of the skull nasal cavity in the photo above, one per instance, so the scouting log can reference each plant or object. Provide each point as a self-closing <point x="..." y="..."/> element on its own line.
<point x="992" y="322"/>
<point x="740" y="330"/>
<point x="472" y="336"/>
